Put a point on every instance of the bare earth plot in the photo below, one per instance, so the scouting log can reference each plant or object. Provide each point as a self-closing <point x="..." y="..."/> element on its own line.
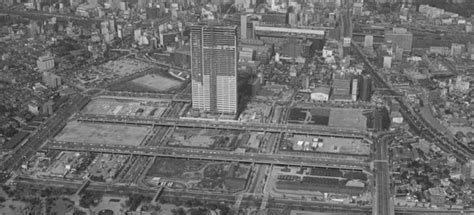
<point x="158" y="82"/>
<point x="102" y="133"/>
<point x="348" y="118"/>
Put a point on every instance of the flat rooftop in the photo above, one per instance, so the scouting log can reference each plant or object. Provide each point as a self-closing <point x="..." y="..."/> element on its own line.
<point x="329" y="144"/>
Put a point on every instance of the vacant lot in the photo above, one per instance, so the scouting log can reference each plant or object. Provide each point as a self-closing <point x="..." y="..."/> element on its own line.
<point x="124" y="67"/>
<point x="102" y="133"/>
<point x="348" y="118"/>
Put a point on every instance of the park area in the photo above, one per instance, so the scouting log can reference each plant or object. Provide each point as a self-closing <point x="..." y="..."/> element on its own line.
<point x="101" y="133"/>
<point x="205" y="138"/>
<point x="199" y="175"/>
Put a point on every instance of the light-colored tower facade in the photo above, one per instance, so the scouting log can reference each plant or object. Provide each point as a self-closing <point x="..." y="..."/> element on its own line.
<point x="214" y="68"/>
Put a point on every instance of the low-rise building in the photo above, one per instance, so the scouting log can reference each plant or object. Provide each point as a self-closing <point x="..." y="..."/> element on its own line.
<point x="320" y="94"/>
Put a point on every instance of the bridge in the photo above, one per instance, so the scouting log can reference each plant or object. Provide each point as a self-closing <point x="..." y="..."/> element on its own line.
<point x="231" y="125"/>
<point x="158" y="194"/>
<point x="317" y="160"/>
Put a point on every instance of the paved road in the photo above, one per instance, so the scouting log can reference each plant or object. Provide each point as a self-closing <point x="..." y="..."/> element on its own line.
<point x="30" y="13"/>
<point x="51" y="126"/>
<point x="382" y="204"/>
<point x="462" y="152"/>
<point x="259" y="127"/>
<point x="320" y="160"/>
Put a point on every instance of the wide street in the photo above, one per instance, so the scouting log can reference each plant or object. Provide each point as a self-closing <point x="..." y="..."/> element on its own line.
<point x="322" y="160"/>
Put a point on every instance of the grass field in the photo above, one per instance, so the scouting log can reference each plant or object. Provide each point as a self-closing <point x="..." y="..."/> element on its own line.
<point x="102" y="133"/>
<point x="60" y="206"/>
<point x="348" y="118"/>
<point x="204" y="138"/>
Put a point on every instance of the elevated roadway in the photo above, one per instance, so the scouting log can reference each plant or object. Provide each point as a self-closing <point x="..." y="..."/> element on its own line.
<point x="320" y="160"/>
<point x="383" y="204"/>
<point x="462" y="152"/>
<point x="231" y="125"/>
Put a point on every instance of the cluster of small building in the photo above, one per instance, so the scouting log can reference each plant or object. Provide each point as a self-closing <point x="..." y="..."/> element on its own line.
<point x="425" y="176"/>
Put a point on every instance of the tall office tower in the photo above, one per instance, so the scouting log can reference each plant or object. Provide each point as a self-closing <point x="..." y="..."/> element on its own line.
<point x="214" y="68"/>
<point x="369" y="41"/>
<point x="365" y="88"/>
<point x="243" y="26"/>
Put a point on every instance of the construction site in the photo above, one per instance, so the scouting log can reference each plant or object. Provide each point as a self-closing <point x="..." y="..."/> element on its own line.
<point x="126" y="107"/>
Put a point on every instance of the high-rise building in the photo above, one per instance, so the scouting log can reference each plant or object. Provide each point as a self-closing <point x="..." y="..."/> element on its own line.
<point x="354" y="90"/>
<point x="243" y="26"/>
<point x="365" y="88"/>
<point x="45" y="62"/>
<point x="214" y="68"/>
<point x="51" y="80"/>
<point x="368" y="41"/>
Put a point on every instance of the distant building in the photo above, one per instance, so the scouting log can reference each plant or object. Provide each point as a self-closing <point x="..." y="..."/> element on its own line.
<point x="274" y="18"/>
<point x="441" y="50"/>
<point x="387" y="62"/>
<point x="365" y="88"/>
<point x="437" y="195"/>
<point x="292" y="48"/>
<point x="341" y="86"/>
<point x="153" y="13"/>
<point x="457" y="49"/>
<point x="47" y="108"/>
<point x="469" y="27"/>
<point x="45" y="62"/>
<point x="243" y="27"/>
<point x="368" y="41"/>
<point x="34" y="107"/>
<point x="320" y="94"/>
<point x="51" y="80"/>
<point x="400" y="37"/>
<point x="354" y="89"/>
<point x="214" y="68"/>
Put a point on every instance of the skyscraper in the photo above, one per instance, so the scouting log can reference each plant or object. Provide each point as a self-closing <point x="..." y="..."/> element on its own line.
<point x="214" y="68"/>
<point x="365" y="88"/>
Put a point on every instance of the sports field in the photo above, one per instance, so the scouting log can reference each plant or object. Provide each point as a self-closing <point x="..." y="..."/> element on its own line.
<point x="158" y="82"/>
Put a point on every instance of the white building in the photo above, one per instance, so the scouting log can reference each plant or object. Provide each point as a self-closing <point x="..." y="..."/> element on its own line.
<point x="320" y="94"/>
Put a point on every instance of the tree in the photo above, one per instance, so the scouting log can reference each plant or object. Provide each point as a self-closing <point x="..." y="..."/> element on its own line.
<point x="179" y="211"/>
